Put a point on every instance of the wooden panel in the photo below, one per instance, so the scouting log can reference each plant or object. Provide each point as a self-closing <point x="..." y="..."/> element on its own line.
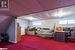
<point x="18" y="34"/>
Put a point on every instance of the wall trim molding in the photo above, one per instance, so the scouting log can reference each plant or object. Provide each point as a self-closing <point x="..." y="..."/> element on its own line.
<point x="12" y="41"/>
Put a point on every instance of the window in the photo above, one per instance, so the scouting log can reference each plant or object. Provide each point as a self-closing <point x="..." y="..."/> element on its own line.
<point x="63" y="22"/>
<point x="67" y="22"/>
<point x="36" y="23"/>
<point x="71" y="22"/>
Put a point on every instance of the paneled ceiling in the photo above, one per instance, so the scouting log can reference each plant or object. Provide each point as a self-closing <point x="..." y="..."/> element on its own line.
<point x="24" y="7"/>
<point x="65" y="12"/>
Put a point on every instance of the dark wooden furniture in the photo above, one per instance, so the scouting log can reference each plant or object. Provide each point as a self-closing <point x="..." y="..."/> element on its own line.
<point x="60" y="36"/>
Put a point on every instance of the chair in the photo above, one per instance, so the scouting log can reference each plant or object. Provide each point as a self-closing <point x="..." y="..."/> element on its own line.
<point x="68" y="35"/>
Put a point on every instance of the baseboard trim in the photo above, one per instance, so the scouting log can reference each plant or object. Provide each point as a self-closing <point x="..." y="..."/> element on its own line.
<point x="12" y="41"/>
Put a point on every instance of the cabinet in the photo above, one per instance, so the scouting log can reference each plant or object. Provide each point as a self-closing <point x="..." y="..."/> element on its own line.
<point x="59" y="36"/>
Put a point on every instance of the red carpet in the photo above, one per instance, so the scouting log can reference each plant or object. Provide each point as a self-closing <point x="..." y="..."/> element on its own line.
<point x="38" y="43"/>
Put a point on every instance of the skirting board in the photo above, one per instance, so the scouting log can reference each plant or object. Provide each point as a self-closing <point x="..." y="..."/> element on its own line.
<point x="12" y="41"/>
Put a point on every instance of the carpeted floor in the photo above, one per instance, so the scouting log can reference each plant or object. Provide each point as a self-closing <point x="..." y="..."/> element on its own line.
<point x="38" y="43"/>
